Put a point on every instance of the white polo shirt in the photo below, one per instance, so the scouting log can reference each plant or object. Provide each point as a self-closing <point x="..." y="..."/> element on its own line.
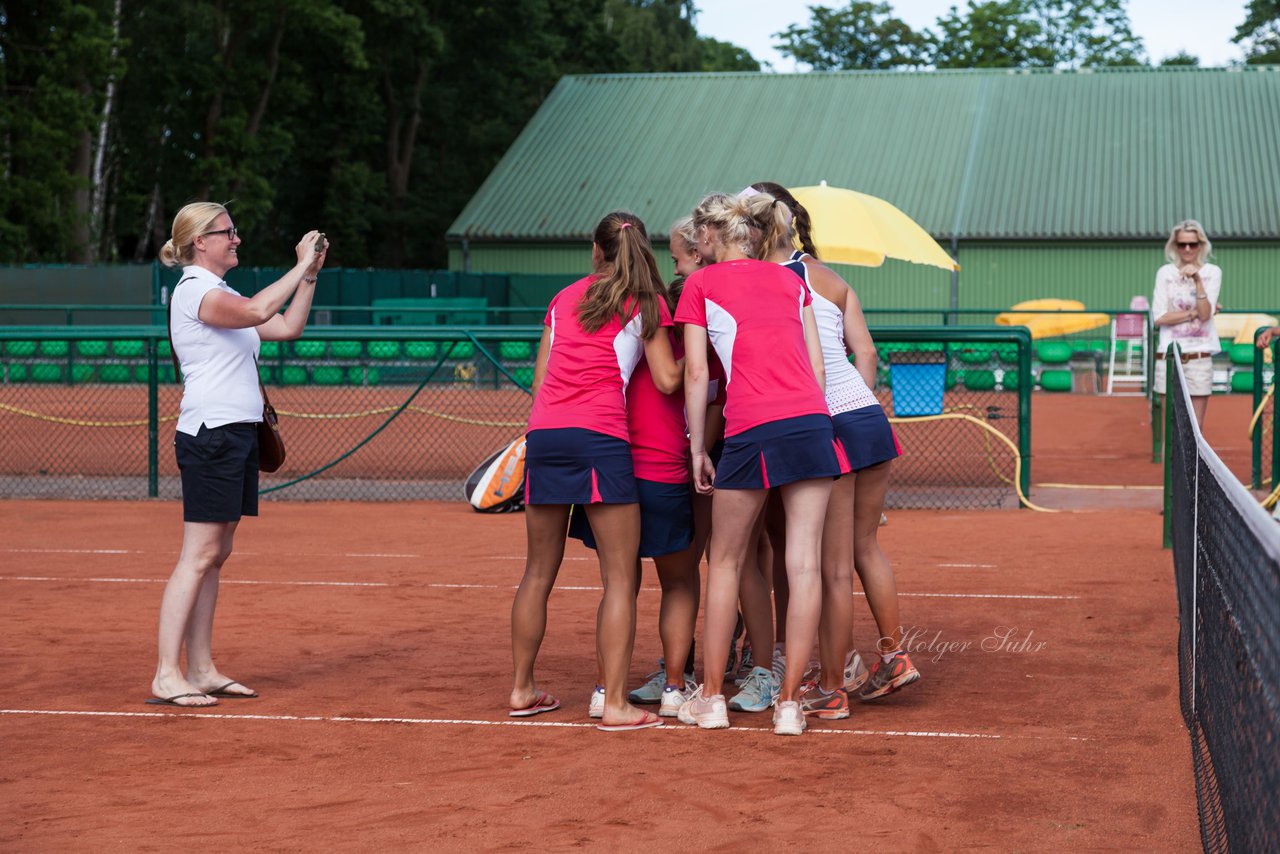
<point x="220" y="376"/>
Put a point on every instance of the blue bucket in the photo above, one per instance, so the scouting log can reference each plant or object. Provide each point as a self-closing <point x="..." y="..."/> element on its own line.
<point x="917" y="388"/>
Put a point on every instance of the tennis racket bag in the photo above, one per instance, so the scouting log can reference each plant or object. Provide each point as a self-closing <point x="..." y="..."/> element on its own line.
<point x="497" y="484"/>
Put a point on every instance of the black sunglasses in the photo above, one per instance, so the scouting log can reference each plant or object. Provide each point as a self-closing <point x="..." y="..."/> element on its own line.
<point x="1195" y="245"/>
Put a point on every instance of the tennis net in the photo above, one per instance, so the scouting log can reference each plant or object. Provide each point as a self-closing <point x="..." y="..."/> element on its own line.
<point x="1226" y="554"/>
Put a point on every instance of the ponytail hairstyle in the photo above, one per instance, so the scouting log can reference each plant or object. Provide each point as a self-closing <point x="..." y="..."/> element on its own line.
<point x="801" y="223"/>
<point x="772" y="218"/>
<point x="728" y="222"/>
<point x="627" y="280"/>
<point x="192" y="221"/>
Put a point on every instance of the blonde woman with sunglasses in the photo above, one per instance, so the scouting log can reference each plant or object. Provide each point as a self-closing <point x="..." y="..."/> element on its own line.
<point x="1182" y="309"/>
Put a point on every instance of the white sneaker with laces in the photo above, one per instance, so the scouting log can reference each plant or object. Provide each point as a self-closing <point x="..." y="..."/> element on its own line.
<point x="672" y="699"/>
<point x="788" y="718"/>
<point x="596" y="709"/>
<point x="707" y="712"/>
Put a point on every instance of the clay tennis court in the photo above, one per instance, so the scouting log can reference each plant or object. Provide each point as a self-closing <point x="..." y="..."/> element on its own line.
<point x="1047" y="716"/>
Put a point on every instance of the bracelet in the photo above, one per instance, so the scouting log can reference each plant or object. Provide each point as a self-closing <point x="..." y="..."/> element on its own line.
<point x="310" y="279"/>
<point x="1201" y="296"/>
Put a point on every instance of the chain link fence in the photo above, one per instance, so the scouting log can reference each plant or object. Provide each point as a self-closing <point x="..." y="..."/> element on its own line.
<point x="394" y="413"/>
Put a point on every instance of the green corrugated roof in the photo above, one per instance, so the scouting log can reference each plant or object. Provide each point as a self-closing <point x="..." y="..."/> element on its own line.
<point x="989" y="154"/>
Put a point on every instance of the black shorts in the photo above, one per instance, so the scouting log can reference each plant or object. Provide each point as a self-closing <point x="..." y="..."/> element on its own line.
<point x="219" y="468"/>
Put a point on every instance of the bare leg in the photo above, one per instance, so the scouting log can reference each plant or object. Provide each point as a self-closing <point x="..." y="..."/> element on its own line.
<point x="201" y="671"/>
<point x="678" y="574"/>
<point x="202" y="553"/>
<point x="545" y="528"/>
<point x="836" y="628"/>
<point x="805" y="503"/>
<point x="1199" y="403"/>
<point x="753" y="594"/>
<point x="775" y="525"/>
<point x="732" y="512"/>
<point x="617" y="531"/>
<point x="869" y="559"/>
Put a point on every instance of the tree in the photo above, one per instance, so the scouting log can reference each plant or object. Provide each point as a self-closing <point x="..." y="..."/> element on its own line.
<point x="723" y="56"/>
<point x="1260" y="33"/>
<point x="997" y="34"/>
<point x="1035" y="34"/>
<point x="861" y="35"/>
<point x="1181" y="58"/>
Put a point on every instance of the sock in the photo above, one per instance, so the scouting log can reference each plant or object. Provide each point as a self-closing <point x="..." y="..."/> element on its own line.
<point x="886" y="657"/>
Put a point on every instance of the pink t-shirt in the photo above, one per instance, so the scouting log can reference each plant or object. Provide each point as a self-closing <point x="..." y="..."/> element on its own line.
<point x="659" y="435"/>
<point x="752" y="311"/>
<point x="587" y="374"/>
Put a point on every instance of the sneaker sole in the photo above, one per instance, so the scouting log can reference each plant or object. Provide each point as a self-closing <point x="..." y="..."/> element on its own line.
<point x="828" y="714"/>
<point x="787" y="729"/>
<point x="712" y="723"/>
<point x="669" y="712"/>
<point x="891" y="686"/>
<point x="741" y="708"/>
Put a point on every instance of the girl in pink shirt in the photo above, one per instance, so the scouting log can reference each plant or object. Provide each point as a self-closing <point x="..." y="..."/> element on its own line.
<point x="777" y="433"/>
<point x="577" y="452"/>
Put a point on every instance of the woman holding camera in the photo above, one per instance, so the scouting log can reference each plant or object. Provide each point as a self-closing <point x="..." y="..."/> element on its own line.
<point x="216" y="335"/>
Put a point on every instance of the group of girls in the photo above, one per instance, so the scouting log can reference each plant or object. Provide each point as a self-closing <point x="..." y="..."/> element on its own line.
<point x="618" y="457"/>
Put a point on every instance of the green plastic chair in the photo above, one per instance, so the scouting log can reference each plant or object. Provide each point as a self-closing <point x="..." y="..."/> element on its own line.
<point x="269" y="350"/>
<point x="1055" y="380"/>
<point x="114" y="373"/>
<point x="1007" y="353"/>
<point x="327" y="375"/>
<point x="345" y="349"/>
<point x="1009" y="381"/>
<point x="384" y="350"/>
<point x="952" y="379"/>
<point x="979" y="380"/>
<point x="363" y="376"/>
<point x="421" y="350"/>
<point x="1053" y="352"/>
<point x="515" y="351"/>
<point x="1242" y="354"/>
<point x="91" y="349"/>
<point x="294" y="375"/>
<point x="19" y="373"/>
<point x="56" y="349"/>
<point x="20" y="349"/>
<point x="1242" y="381"/>
<point x="45" y="373"/>
<point x="309" y="349"/>
<point x="128" y="349"/>
<point x="163" y="350"/>
<point x="974" y="354"/>
<point x="461" y="350"/>
<point x="524" y="376"/>
<point x="81" y="374"/>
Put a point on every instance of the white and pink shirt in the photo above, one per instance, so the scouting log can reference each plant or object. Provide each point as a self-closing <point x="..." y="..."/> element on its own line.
<point x="585" y="384"/>
<point x="753" y="313"/>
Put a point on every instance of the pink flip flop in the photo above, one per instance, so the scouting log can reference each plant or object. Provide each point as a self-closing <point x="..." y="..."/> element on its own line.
<point x="649" y="720"/>
<point x="544" y="702"/>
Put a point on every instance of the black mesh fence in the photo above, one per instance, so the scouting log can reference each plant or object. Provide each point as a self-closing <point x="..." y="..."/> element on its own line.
<point x="1226" y="554"/>
<point x="390" y="413"/>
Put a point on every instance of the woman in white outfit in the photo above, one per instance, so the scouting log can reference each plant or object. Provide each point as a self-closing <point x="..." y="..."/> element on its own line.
<point x="1186" y="298"/>
<point x="216" y="335"/>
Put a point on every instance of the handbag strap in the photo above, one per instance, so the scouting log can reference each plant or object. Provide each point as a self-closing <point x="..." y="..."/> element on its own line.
<point x="266" y="401"/>
<point x="173" y="354"/>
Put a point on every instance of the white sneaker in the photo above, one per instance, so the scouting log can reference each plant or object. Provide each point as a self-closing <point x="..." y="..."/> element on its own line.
<point x="707" y="712"/>
<point x="788" y="718"/>
<point x="672" y="699"/>
<point x="855" y="672"/>
<point x="596" y="709"/>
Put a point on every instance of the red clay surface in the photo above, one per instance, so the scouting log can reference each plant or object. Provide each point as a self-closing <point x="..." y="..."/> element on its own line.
<point x="1046" y="719"/>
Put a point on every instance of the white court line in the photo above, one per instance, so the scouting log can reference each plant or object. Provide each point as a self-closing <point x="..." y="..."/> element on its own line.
<point x="443" y="585"/>
<point x="968" y="565"/>
<point x="238" y="552"/>
<point x="223" y="581"/>
<point x="521" y="723"/>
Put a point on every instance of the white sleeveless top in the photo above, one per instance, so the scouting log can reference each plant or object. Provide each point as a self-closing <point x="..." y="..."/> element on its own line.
<point x="846" y="389"/>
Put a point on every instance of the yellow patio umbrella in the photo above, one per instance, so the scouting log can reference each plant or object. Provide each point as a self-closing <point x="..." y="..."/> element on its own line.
<point x="853" y="228"/>
<point x="1048" y="318"/>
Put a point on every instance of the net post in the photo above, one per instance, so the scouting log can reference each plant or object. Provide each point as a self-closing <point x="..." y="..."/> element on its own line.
<point x="153" y="417"/>
<point x="1255" y="445"/>
<point x="1167" y="424"/>
<point x="1024" y="407"/>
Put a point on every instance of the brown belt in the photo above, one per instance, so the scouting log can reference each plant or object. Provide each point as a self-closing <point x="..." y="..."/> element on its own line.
<point x="1188" y="357"/>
